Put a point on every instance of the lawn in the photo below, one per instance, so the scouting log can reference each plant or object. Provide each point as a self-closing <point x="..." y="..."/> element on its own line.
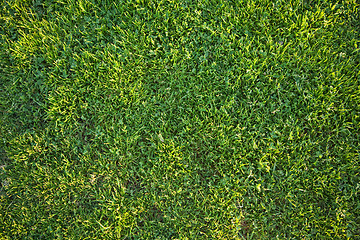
<point x="179" y="119"/>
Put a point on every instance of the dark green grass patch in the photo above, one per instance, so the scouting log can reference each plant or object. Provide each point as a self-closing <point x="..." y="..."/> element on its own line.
<point x="179" y="120"/>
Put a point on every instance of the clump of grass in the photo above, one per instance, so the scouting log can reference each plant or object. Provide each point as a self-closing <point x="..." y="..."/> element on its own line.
<point x="179" y="120"/>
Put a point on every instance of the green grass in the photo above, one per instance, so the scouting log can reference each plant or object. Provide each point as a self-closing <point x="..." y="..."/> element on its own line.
<point x="179" y="119"/>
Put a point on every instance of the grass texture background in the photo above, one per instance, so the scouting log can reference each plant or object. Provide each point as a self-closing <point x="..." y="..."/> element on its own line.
<point x="179" y="119"/>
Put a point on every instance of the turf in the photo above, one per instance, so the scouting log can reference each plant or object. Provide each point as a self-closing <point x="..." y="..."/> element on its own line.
<point x="179" y="119"/>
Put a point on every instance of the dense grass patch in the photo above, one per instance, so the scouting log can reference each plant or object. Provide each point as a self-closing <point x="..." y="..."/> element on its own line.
<point x="179" y="119"/>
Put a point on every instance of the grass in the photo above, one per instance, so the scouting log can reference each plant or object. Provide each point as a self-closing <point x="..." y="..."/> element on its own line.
<point x="179" y="119"/>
